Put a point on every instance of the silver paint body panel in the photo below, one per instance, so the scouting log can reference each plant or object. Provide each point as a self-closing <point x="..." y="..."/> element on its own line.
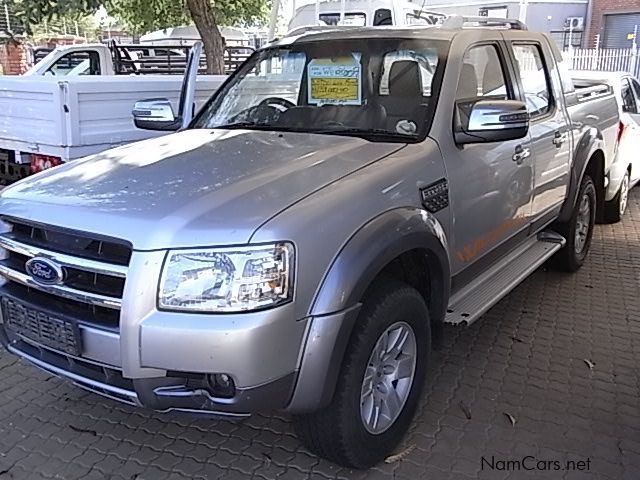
<point x="347" y="204"/>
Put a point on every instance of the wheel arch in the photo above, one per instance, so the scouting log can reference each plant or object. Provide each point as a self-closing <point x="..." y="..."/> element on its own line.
<point x="399" y="238"/>
<point x="589" y="158"/>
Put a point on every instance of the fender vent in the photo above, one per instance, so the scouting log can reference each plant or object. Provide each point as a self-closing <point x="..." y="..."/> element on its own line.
<point x="435" y="197"/>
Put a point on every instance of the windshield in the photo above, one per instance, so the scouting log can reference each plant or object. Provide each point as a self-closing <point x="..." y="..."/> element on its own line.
<point x="379" y="89"/>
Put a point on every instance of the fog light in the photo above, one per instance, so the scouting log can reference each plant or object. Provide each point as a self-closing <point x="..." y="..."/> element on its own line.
<point x="221" y="385"/>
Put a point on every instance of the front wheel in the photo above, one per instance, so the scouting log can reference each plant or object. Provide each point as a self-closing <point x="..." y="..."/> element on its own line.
<point x="614" y="209"/>
<point x="578" y="230"/>
<point x="380" y="382"/>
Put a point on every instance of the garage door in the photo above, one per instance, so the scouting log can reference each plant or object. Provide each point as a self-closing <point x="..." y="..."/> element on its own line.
<point x="617" y="27"/>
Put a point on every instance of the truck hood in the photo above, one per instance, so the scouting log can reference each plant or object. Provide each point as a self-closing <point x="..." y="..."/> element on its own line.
<point x="193" y="188"/>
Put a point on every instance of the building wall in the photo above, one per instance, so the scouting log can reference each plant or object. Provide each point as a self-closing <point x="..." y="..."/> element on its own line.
<point x="14" y="58"/>
<point x="544" y="16"/>
<point x="599" y="8"/>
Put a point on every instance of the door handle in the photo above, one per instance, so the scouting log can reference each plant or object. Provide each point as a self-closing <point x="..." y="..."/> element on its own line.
<point x="520" y="154"/>
<point x="559" y="138"/>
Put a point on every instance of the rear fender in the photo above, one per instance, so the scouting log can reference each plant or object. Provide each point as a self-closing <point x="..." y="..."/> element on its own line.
<point x="590" y="142"/>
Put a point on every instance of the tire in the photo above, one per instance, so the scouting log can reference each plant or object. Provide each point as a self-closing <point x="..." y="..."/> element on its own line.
<point x="615" y="208"/>
<point x="340" y="432"/>
<point x="577" y="232"/>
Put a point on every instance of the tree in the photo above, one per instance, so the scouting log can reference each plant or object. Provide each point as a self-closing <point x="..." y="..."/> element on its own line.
<point x="146" y="15"/>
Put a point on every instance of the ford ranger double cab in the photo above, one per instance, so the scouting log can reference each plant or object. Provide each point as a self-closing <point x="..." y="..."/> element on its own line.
<point x="299" y="246"/>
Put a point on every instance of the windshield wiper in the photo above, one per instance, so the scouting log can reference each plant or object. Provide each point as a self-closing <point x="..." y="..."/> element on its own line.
<point x="373" y="132"/>
<point x="247" y="125"/>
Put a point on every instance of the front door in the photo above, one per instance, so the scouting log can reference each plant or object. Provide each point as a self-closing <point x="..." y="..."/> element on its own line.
<point x="491" y="183"/>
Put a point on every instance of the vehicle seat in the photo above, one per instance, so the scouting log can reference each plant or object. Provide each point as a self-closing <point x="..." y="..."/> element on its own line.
<point x="493" y="81"/>
<point x="467" y="90"/>
<point x="406" y="102"/>
<point x="468" y="83"/>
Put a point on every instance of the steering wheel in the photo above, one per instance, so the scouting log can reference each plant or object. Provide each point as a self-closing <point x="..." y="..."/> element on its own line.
<point x="277" y="103"/>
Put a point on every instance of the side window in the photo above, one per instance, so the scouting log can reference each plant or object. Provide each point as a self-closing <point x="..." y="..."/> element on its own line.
<point x="628" y="100"/>
<point x="76" y="63"/>
<point x="636" y="88"/>
<point x="382" y="17"/>
<point x="535" y="80"/>
<point x="482" y="75"/>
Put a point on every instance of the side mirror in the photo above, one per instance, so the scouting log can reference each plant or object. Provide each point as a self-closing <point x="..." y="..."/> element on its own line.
<point x="155" y="114"/>
<point x="484" y="121"/>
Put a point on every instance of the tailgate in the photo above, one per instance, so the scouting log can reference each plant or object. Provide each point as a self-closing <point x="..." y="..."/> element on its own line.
<point x="32" y="112"/>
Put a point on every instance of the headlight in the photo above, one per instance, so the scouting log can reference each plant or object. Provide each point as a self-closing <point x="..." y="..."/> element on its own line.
<point x="227" y="279"/>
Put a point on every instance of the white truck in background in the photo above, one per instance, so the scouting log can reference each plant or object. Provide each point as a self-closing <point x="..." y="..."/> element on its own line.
<point x="101" y="59"/>
<point x="47" y="120"/>
<point x="361" y="13"/>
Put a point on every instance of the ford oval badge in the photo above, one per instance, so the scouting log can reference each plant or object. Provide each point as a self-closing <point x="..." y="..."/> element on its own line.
<point x="44" y="271"/>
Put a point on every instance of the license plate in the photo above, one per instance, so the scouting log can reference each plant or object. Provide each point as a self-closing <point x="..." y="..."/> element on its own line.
<point x="42" y="327"/>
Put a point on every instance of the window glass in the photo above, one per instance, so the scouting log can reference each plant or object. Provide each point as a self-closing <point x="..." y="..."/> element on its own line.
<point x="482" y="75"/>
<point x="376" y="88"/>
<point x="355" y="19"/>
<point x="565" y="77"/>
<point x="76" y="63"/>
<point x="636" y="89"/>
<point x="628" y="101"/>
<point x="427" y="61"/>
<point x="278" y="75"/>
<point x="534" y="79"/>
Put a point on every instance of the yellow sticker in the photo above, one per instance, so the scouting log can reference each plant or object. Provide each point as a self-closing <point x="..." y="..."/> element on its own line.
<point x="334" y="88"/>
<point x="631" y="36"/>
<point x="335" y="80"/>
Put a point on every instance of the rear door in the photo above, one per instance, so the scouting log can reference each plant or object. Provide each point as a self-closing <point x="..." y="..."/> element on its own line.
<point x="541" y="90"/>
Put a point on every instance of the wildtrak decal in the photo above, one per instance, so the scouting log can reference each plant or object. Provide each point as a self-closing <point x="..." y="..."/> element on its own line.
<point x="481" y="244"/>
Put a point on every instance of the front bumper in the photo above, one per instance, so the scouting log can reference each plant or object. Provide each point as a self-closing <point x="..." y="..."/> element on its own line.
<point x="175" y="390"/>
<point x="165" y="360"/>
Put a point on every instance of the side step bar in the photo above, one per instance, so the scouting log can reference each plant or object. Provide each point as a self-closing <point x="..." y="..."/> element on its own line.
<point x="467" y="305"/>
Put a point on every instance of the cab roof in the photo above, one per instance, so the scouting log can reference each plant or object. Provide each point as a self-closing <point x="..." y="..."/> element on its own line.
<point x="425" y="32"/>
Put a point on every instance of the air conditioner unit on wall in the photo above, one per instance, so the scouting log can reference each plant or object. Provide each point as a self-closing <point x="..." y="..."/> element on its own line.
<point x="574" y="23"/>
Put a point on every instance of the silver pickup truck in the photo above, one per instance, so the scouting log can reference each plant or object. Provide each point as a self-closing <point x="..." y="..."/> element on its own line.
<point x="301" y="244"/>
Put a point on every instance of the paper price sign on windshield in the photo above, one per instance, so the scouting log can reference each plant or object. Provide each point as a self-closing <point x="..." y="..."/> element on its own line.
<point x="335" y="81"/>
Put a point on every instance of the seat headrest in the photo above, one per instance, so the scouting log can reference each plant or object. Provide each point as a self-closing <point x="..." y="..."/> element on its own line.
<point x="468" y="83"/>
<point x="404" y="79"/>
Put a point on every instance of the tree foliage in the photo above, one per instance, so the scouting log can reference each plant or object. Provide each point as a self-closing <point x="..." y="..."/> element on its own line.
<point x="147" y="15"/>
<point x="143" y="15"/>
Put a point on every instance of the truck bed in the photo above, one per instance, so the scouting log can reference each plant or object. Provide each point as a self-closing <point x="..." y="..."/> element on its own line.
<point x="82" y="115"/>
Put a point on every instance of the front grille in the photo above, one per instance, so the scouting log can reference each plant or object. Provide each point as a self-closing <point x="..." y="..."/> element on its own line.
<point x="75" y="278"/>
<point x="70" y="242"/>
<point x="93" y="272"/>
<point x="77" y="312"/>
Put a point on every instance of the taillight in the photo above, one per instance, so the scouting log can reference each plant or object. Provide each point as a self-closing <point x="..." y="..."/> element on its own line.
<point x="620" y="132"/>
<point x="43" y="162"/>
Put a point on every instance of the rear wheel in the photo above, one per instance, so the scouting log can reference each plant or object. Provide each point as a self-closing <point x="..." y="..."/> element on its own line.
<point x="379" y="384"/>
<point x="578" y="230"/>
<point x="614" y="209"/>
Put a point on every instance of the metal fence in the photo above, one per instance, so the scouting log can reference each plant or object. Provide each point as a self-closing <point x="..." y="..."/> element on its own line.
<point x="604" y="59"/>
